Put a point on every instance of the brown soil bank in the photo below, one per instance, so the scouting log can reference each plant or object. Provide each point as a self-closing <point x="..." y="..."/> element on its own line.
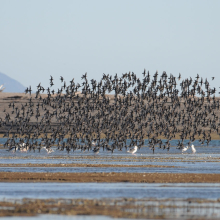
<point x="110" y="177"/>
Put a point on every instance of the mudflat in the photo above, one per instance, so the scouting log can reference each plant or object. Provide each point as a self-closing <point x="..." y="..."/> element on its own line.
<point x="110" y="177"/>
<point x="116" y="208"/>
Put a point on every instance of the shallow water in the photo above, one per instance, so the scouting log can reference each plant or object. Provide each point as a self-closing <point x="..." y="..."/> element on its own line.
<point x="201" y="162"/>
<point x="212" y="148"/>
<point x="143" y="150"/>
<point x="187" y="168"/>
<point x="212" y="143"/>
<point x="206" y="160"/>
<point x="108" y="190"/>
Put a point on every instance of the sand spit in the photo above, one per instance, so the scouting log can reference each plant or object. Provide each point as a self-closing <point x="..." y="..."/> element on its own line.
<point x="110" y="177"/>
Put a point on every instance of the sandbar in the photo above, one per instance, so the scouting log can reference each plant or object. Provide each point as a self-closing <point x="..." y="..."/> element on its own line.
<point x="110" y="177"/>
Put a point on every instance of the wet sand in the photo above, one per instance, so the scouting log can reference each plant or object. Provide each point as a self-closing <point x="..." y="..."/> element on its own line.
<point x="110" y="177"/>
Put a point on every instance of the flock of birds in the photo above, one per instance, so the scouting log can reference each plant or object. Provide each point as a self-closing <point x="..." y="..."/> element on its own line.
<point x="104" y="114"/>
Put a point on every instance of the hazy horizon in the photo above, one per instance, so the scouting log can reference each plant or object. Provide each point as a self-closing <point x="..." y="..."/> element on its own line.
<point x="69" y="38"/>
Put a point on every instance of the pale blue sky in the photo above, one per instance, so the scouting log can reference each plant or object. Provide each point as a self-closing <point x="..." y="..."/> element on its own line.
<point x="68" y="38"/>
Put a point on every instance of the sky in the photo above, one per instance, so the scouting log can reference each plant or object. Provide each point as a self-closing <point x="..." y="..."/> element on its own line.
<point x="68" y="38"/>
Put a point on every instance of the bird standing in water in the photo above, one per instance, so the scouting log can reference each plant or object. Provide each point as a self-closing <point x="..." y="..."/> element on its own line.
<point x="193" y="149"/>
<point x="133" y="151"/>
<point x="185" y="149"/>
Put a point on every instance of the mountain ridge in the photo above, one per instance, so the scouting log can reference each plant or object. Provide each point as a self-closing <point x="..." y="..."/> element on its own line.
<point x="10" y="84"/>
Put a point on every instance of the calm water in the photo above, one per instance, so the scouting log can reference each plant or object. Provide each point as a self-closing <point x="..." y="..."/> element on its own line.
<point x="108" y="190"/>
<point x="206" y="160"/>
<point x="187" y="168"/>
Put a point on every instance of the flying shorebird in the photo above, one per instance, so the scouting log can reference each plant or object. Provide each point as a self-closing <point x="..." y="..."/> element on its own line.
<point x="151" y="108"/>
<point x="49" y="150"/>
<point x="96" y="150"/>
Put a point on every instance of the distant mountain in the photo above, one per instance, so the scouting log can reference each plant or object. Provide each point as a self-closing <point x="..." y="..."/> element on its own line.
<point x="11" y="85"/>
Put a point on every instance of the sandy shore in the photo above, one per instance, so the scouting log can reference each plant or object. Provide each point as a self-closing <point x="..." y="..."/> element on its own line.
<point x="110" y="177"/>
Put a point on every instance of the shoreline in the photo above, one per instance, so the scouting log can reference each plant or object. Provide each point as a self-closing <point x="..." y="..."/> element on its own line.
<point x="83" y="165"/>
